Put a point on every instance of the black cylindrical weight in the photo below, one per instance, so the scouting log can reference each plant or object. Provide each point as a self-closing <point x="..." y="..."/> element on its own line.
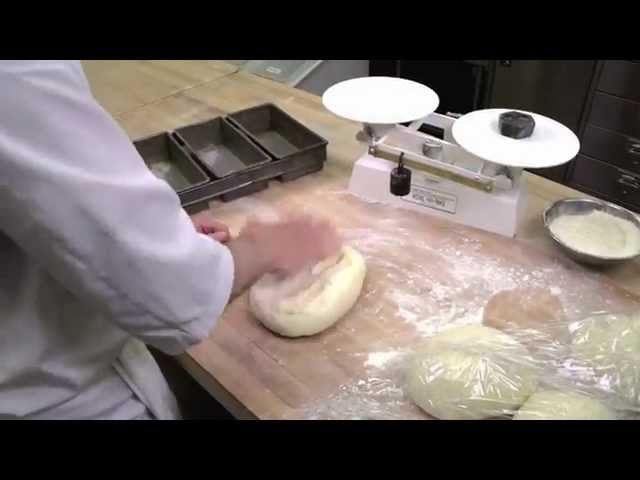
<point x="400" y="181"/>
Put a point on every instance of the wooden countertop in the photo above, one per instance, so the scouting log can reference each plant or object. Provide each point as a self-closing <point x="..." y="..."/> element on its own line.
<point x="123" y="86"/>
<point x="258" y="375"/>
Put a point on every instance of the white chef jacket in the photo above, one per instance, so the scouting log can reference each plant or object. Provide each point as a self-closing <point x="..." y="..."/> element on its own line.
<point x="94" y="251"/>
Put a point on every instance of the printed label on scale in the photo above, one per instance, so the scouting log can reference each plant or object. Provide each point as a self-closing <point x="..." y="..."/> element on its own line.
<point x="432" y="199"/>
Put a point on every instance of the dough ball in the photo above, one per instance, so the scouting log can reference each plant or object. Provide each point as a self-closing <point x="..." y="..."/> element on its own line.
<point x="563" y="405"/>
<point x="533" y="315"/>
<point x="610" y="344"/>
<point x="471" y="372"/>
<point x="311" y="301"/>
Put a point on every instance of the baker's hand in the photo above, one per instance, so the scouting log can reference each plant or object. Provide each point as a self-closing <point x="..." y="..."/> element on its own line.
<point x="295" y="243"/>
<point x="286" y="246"/>
<point x="213" y="228"/>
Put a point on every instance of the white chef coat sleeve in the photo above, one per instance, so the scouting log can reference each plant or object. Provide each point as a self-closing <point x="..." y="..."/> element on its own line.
<point x="77" y="197"/>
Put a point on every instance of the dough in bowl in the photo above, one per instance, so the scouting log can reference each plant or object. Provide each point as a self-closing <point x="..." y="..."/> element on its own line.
<point x="311" y="301"/>
<point x="563" y="405"/>
<point x="471" y="372"/>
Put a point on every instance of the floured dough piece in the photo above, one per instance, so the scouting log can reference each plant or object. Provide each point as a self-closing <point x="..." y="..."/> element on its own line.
<point x="471" y="372"/>
<point x="610" y="344"/>
<point x="533" y="315"/>
<point x="311" y="301"/>
<point x="563" y="405"/>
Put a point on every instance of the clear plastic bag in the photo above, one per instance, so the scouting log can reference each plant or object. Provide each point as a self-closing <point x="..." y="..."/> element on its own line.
<point x="590" y="373"/>
<point x="472" y="372"/>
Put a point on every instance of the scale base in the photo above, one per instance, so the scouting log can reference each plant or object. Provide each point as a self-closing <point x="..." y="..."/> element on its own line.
<point x="499" y="211"/>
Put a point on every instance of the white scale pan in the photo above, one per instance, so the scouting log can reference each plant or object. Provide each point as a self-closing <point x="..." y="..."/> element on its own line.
<point x="551" y="143"/>
<point x="380" y="100"/>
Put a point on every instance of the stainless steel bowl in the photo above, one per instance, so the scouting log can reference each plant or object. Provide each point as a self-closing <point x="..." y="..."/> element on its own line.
<point x="583" y="206"/>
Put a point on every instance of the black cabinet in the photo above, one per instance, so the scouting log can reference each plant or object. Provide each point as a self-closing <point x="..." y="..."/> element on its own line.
<point x="607" y="181"/>
<point x="615" y="148"/>
<point x="621" y="78"/>
<point x="609" y="166"/>
<point x="616" y="114"/>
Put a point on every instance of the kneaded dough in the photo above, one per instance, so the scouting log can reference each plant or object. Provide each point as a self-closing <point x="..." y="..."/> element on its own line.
<point x="471" y="372"/>
<point x="311" y="301"/>
<point x="610" y="344"/>
<point x="563" y="405"/>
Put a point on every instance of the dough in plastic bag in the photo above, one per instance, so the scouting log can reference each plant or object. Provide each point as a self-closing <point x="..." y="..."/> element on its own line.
<point x="610" y="344"/>
<point x="311" y="301"/>
<point x="471" y="372"/>
<point x="563" y="405"/>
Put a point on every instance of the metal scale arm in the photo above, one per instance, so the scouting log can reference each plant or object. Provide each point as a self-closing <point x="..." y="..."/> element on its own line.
<point x="439" y="157"/>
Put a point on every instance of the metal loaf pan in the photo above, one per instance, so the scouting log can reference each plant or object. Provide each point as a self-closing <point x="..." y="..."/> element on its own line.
<point x="280" y="135"/>
<point x="220" y="147"/>
<point x="170" y="161"/>
<point x="250" y="181"/>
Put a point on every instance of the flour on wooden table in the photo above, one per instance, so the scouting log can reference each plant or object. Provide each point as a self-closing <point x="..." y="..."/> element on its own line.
<point x="455" y="274"/>
<point x="432" y="300"/>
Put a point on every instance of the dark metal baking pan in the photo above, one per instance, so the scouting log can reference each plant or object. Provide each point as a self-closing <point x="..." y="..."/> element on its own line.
<point x="258" y="178"/>
<point x="220" y="147"/>
<point x="279" y="134"/>
<point x="171" y="162"/>
<point x="245" y="190"/>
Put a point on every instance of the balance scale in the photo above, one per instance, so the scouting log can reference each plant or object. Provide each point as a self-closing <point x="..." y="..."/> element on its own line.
<point x="472" y="176"/>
